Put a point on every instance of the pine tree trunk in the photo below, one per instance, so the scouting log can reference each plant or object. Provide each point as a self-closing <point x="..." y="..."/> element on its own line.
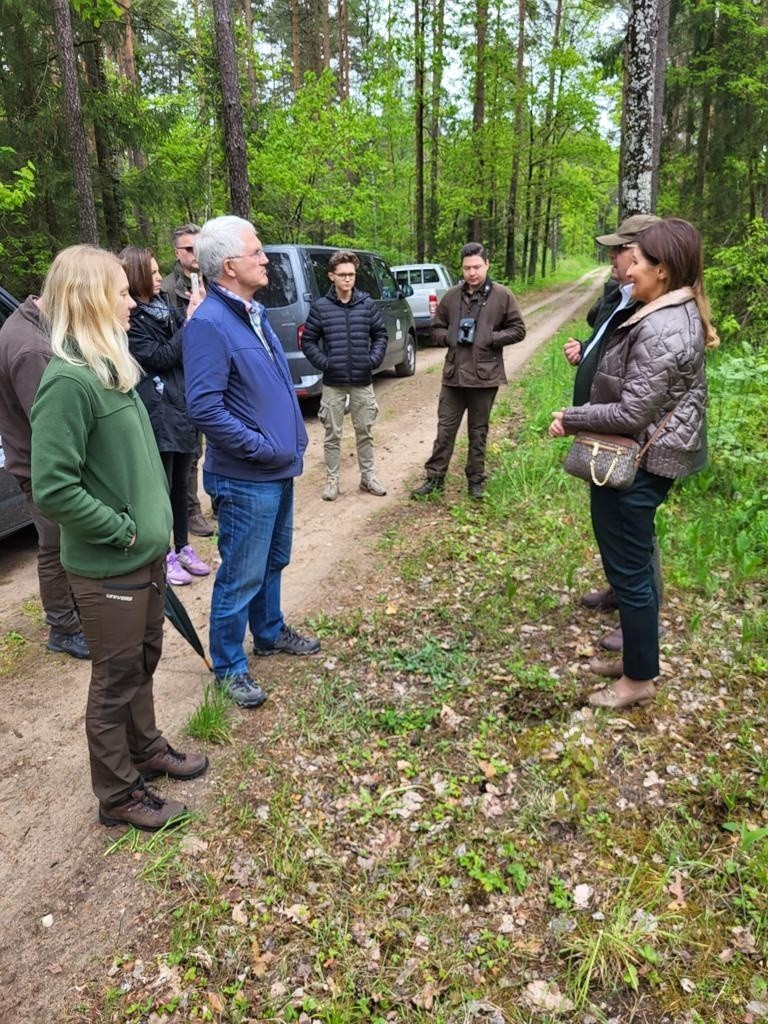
<point x="232" y="108"/>
<point x="65" y="46"/>
<point x="109" y="175"/>
<point x="438" y="32"/>
<point x="510" y="263"/>
<point x="295" y="46"/>
<point x="419" y="126"/>
<point x="475" y="224"/>
<point x="660" y="75"/>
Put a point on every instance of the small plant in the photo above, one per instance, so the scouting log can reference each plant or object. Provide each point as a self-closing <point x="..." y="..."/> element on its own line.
<point x="213" y="719"/>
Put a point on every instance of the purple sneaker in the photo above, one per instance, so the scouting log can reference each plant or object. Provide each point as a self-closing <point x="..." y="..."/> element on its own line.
<point x="176" y="574"/>
<point x="189" y="560"/>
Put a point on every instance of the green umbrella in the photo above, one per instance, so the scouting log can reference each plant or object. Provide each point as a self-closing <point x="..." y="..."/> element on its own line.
<point x="177" y="615"/>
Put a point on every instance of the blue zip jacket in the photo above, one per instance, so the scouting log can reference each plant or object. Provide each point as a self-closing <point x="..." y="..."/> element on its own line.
<point x="239" y="395"/>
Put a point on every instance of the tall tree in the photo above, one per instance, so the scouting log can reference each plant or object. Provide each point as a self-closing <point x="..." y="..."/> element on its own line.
<point x="419" y="102"/>
<point x="510" y="263"/>
<point x="475" y="224"/>
<point x="436" y="90"/>
<point x="232" y="109"/>
<point x="637" y="149"/>
<point x="65" y="46"/>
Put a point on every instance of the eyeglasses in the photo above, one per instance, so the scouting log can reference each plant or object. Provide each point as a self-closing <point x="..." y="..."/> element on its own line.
<point x="185" y="248"/>
<point x="248" y="255"/>
<point x="353" y="274"/>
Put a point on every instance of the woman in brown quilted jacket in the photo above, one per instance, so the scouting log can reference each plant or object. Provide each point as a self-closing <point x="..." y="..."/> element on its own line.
<point x="651" y="366"/>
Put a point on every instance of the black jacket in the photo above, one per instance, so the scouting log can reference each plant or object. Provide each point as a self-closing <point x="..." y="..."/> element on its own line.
<point x="347" y="341"/>
<point x="156" y="347"/>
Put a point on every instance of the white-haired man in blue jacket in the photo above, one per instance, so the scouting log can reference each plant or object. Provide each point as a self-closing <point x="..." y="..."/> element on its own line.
<point x="240" y="395"/>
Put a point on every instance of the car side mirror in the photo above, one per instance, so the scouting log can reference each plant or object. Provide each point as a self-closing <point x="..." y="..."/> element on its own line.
<point x="404" y="291"/>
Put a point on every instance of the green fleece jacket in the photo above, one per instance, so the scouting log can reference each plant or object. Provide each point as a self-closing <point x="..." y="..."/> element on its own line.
<point x="96" y="470"/>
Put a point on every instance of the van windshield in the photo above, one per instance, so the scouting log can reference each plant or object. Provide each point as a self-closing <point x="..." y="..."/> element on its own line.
<point x="281" y="290"/>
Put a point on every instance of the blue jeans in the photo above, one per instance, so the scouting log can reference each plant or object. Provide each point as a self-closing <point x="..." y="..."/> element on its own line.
<point x="255" y="534"/>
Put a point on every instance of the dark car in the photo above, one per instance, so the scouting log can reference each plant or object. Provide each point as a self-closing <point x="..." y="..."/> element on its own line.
<point x="13" y="508"/>
<point x="299" y="273"/>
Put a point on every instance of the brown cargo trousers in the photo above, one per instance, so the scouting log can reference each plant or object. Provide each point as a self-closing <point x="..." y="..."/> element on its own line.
<point x="122" y="618"/>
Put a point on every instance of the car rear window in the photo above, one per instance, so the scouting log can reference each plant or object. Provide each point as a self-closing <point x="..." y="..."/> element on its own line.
<point x="431" y="276"/>
<point x="281" y="290"/>
<point x="320" y="270"/>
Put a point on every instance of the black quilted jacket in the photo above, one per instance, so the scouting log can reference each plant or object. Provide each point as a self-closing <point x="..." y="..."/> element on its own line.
<point x="652" y="363"/>
<point x="347" y="341"/>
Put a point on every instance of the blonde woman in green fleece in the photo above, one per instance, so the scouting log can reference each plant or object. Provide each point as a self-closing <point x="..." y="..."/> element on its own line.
<point x="96" y="470"/>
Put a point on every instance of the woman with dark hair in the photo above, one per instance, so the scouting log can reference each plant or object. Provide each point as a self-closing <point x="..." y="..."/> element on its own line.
<point x="154" y="339"/>
<point x="96" y="471"/>
<point x="651" y="375"/>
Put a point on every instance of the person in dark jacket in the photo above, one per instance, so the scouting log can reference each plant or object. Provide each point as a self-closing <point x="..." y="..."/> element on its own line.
<point x="650" y="385"/>
<point x="25" y="351"/>
<point x="476" y="320"/>
<point x="240" y="394"/>
<point x="616" y="306"/>
<point x="154" y="339"/>
<point x="346" y="338"/>
<point x="97" y="472"/>
<point x="177" y="290"/>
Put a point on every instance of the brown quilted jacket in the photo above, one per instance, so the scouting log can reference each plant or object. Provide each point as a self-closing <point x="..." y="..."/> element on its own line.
<point x="652" y="363"/>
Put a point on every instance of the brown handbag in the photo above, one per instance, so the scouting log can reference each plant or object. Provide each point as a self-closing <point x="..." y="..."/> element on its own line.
<point x="608" y="460"/>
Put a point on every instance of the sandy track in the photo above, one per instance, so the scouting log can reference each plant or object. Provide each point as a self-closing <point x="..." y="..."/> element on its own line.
<point x="52" y="846"/>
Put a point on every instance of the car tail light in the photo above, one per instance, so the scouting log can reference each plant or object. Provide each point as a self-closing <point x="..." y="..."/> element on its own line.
<point x="432" y="305"/>
<point x="299" y="335"/>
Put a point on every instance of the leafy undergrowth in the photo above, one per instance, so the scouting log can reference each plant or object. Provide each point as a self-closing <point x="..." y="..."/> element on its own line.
<point x="433" y="828"/>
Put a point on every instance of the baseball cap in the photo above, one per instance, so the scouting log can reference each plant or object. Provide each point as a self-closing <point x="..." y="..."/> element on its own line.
<point x="628" y="229"/>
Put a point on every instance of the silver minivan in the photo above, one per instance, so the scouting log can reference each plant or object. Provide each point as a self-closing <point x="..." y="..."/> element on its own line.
<point x="298" y="274"/>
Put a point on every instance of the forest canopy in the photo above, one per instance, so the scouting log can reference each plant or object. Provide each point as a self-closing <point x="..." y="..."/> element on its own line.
<point x="408" y="126"/>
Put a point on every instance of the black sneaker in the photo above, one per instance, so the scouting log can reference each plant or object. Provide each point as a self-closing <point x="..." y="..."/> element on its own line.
<point x="243" y="690"/>
<point x="290" y="642"/>
<point x="432" y="485"/>
<point x="476" y="490"/>
<point x="73" y="644"/>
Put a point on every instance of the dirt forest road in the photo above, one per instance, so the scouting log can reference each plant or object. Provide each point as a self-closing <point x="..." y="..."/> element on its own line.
<point x="62" y="902"/>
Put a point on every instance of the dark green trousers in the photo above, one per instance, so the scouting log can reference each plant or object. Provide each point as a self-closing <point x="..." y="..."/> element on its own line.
<point x="122" y="618"/>
<point x="451" y="406"/>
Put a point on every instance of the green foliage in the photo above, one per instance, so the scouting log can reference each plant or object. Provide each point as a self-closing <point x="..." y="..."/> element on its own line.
<point x="736" y="285"/>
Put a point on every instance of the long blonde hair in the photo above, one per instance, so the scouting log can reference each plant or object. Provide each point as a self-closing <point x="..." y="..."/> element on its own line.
<point x="79" y="301"/>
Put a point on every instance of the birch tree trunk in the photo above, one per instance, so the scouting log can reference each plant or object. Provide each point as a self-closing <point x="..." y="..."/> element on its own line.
<point x="636" y="161"/>
<point x="65" y="46"/>
<point x="232" y="108"/>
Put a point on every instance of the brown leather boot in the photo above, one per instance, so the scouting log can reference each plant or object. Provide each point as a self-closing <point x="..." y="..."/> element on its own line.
<point x="144" y="809"/>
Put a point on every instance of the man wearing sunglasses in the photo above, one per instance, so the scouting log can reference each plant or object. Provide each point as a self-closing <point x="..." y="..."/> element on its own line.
<point x="177" y="290"/>
<point x="177" y="286"/>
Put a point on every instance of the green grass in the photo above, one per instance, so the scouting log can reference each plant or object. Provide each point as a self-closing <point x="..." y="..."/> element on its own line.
<point x="409" y="837"/>
<point x="213" y="720"/>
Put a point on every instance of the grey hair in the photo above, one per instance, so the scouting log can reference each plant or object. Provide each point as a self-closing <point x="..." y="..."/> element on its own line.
<point x="185" y="229"/>
<point x="219" y="239"/>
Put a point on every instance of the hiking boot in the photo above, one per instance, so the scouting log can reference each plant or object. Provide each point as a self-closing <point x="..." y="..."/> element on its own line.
<point x="331" y="489"/>
<point x="476" y="490"/>
<point x="373" y="486"/>
<point x="432" y="485"/>
<point x="290" y="642"/>
<point x="243" y="690"/>
<point x="613" y="641"/>
<point x="198" y="525"/>
<point x="73" y="644"/>
<point x="144" y="809"/>
<point x="176" y="574"/>
<point x="188" y="559"/>
<point x="173" y="764"/>
<point x="600" y="600"/>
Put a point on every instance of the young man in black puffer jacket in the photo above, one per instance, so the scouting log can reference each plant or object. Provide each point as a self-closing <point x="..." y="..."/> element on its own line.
<point x="346" y="338"/>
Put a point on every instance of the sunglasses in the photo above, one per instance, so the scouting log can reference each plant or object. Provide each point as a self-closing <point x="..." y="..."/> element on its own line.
<point x="185" y="248"/>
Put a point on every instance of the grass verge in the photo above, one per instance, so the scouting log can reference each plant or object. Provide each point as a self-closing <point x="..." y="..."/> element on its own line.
<point x="431" y="827"/>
